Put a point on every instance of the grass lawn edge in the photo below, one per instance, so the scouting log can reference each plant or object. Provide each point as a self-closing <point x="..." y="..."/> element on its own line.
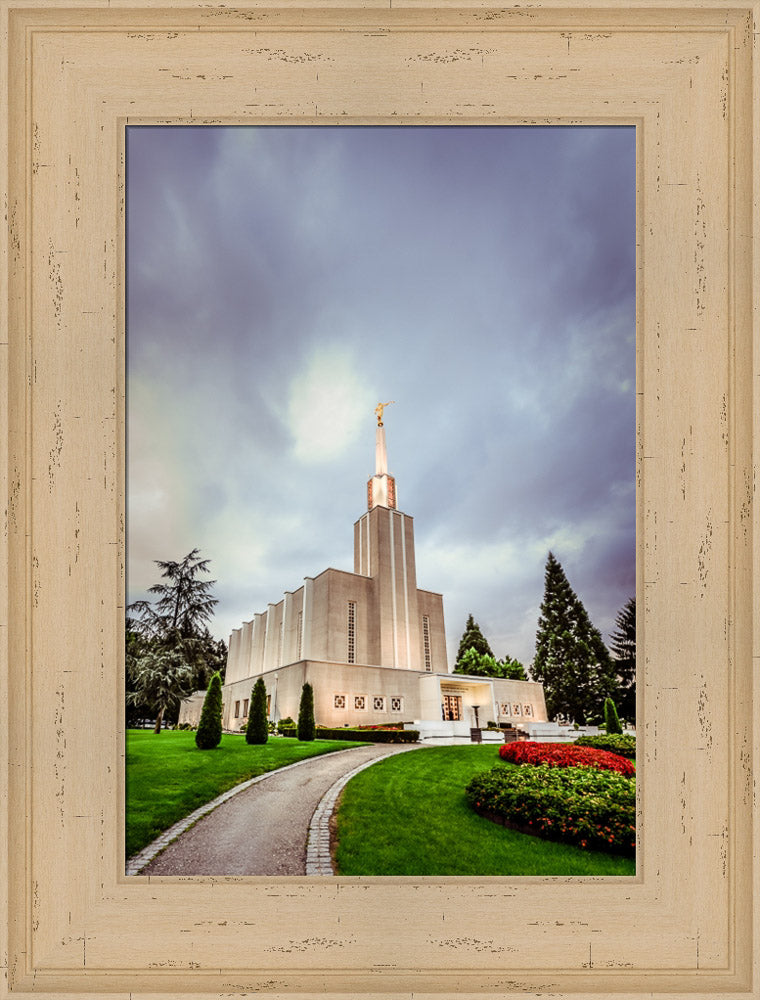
<point x="218" y="791"/>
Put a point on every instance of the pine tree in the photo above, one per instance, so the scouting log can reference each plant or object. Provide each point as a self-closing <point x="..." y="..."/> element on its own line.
<point x="182" y="606"/>
<point x="611" y="720"/>
<point x="257" y="730"/>
<point x="176" y="623"/>
<point x="472" y="638"/>
<point x="209" y="733"/>
<point x="306" y="726"/>
<point x="571" y="659"/>
<point x="623" y="646"/>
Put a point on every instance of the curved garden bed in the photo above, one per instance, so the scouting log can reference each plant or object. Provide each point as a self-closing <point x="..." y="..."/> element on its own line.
<point x="584" y="805"/>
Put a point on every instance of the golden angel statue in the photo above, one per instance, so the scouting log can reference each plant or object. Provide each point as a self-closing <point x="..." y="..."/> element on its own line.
<point x="379" y="411"/>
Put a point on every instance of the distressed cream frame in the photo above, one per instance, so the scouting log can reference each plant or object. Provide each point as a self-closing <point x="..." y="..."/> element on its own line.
<point x="685" y="76"/>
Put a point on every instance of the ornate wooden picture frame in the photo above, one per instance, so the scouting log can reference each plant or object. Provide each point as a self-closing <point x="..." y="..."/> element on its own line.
<point x="75" y="74"/>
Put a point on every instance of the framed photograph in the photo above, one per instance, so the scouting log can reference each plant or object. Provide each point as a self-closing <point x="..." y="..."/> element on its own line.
<point x="280" y="281"/>
<point x="77" y="76"/>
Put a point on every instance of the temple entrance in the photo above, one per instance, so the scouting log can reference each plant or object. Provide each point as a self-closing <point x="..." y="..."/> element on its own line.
<point x="451" y="708"/>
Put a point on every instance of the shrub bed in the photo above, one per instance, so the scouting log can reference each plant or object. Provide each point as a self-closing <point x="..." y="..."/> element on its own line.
<point x="389" y="725"/>
<point x="363" y="735"/>
<point x="576" y="805"/>
<point x="624" y="745"/>
<point x="562" y="755"/>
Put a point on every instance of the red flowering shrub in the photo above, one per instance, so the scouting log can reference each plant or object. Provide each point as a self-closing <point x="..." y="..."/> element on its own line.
<point x="565" y="755"/>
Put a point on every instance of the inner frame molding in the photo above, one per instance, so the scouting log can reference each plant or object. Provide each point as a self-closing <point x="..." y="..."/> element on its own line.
<point x="76" y="74"/>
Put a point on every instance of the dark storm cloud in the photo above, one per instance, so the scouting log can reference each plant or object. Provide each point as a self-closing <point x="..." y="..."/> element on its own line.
<point x="482" y="278"/>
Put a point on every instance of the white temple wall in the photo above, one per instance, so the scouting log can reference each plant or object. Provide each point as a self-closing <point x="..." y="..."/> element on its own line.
<point x="244" y="655"/>
<point x="233" y="670"/>
<point x="387" y="695"/>
<point x="431" y="605"/>
<point x="256" y="660"/>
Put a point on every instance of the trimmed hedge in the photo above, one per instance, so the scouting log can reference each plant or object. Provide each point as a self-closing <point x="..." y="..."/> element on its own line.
<point x="362" y="735"/>
<point x="575" y="805"/>
<point x="388" y="725"/>
<point x="562" y="755"/>
<point x="624" y="745"/>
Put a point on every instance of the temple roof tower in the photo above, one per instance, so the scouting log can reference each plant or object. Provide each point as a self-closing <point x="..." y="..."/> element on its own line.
<point x="381" y="488"/>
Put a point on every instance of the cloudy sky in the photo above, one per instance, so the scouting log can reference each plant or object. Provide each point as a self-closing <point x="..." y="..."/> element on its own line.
<point x="283" y="281"/>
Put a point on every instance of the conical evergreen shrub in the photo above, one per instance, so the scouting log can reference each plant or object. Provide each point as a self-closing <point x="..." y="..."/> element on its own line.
<point x="611" y="720"/>
<point x="257" y="730"/>
<point x="306" y="726"/>
<point x="209" y="734"/>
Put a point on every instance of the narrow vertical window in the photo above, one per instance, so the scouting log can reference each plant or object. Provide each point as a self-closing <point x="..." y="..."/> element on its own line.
<point x="426" y="642"/>
<point x="351" y="632"/>
<point x="299" y="635"/>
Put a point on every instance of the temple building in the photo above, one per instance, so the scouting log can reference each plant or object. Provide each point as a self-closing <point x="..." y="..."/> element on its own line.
<point x="371" y="643"/>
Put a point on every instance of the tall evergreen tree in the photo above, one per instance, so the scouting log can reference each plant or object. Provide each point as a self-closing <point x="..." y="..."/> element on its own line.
<point x="472" y="638"/>
<point x="571" y="659"/>
<point x="184" y="604"/>
<point x="623" y="646"/>
<point x="257" y="730"/>
<point x="306" y="725"/>
<point x="209" y="732"/>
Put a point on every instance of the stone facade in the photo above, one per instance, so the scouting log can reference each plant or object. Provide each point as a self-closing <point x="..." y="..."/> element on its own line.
<point x="355" y="695"/>
<point x="376" y="615"/>
<point x="371" y="643"/>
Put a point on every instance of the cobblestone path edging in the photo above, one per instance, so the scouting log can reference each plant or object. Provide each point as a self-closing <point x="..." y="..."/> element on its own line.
<point x="138" y="861"/>
<point x="318" y="860"/>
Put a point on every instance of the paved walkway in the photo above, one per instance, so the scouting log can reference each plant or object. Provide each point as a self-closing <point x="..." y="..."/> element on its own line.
<point x="262" y="829"/>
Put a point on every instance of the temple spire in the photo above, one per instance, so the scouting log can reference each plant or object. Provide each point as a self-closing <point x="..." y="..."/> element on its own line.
<point x="381" y="488"/>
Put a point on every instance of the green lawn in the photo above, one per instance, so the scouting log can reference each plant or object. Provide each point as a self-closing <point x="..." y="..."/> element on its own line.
<point x="167" y="777"/>
<point x="408" y="816"/>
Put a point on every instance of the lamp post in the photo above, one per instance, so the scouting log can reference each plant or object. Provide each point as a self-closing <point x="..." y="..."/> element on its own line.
<point x="274" y="701"/>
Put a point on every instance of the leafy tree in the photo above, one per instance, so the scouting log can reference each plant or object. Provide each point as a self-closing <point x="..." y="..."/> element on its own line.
<point x="158" y="679"/>
<point x="611" y="720"/>
<point x="209" y="732"/>
<point x="486" y="665"/>
<point x="623" y="646"/>
<point x="306" y="726"/>
<point x="513" y="669"/>
<point x="136" y="646"/>
<point x="472" y="638"/>
<point x="177" y="622"/>
<point x="571" y="659"/>
<point x="257" y="730"/>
